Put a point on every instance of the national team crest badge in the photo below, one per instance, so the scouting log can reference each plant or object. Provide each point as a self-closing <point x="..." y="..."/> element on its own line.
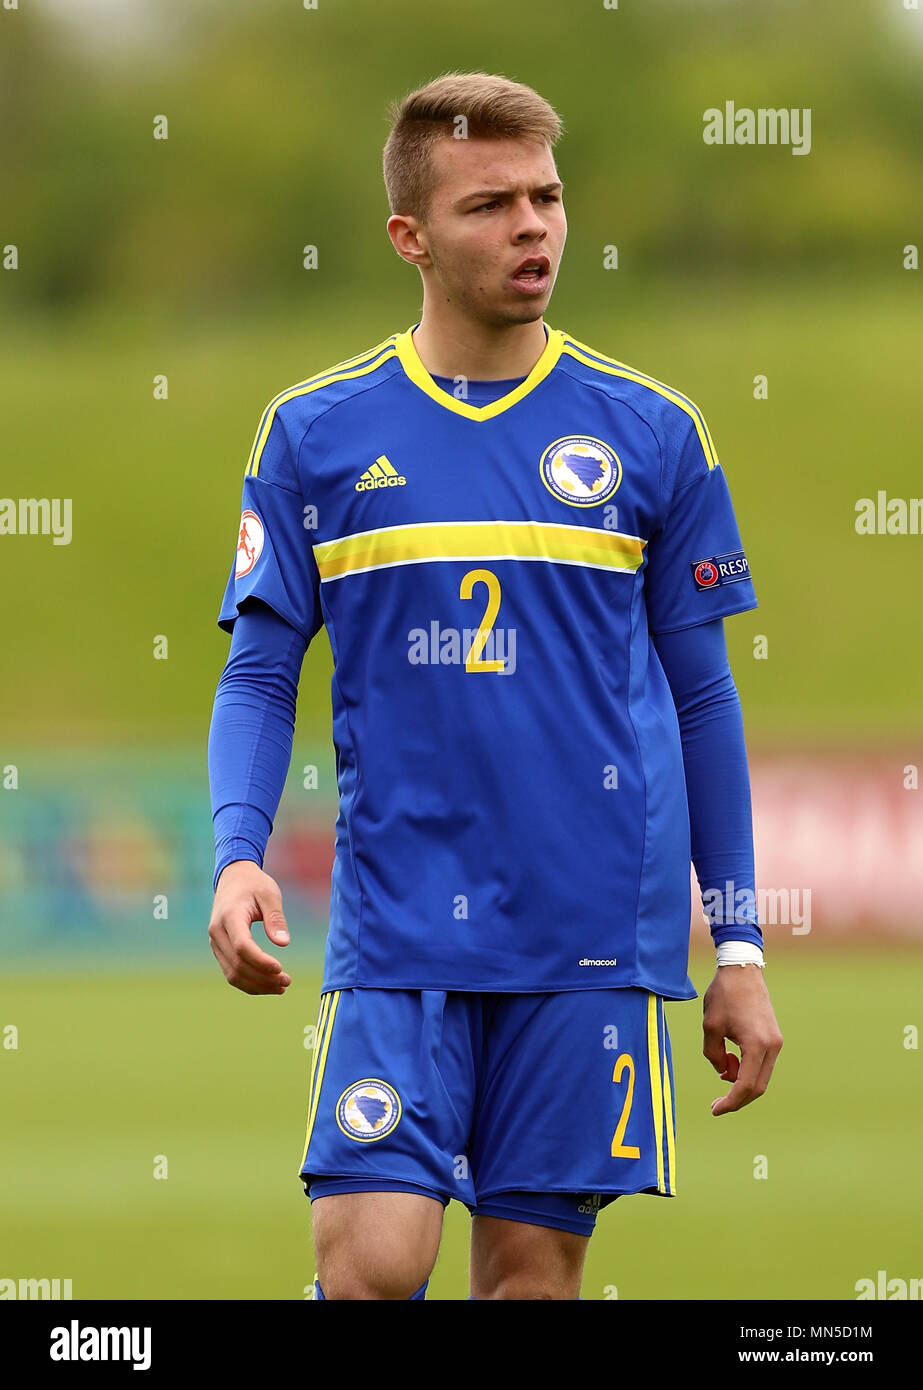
<point x="249" y="544"/>
<point x="368" y="1110"/>
<point x="580" y="470"/>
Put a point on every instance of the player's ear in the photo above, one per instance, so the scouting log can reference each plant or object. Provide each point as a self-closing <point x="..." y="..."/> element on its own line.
<point x="408" y="241"/>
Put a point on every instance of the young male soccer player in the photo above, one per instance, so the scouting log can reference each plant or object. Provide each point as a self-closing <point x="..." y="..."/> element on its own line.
<point x="523" y="551"/>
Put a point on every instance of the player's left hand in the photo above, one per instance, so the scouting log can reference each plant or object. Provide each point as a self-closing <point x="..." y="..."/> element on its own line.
<point x="737" y="1007"/>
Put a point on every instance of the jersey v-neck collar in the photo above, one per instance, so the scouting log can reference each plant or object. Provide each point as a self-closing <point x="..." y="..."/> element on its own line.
<point x="413" y="367"/>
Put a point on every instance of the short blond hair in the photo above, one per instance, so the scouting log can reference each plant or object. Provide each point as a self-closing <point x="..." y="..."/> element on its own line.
<point x="493" y="106"/>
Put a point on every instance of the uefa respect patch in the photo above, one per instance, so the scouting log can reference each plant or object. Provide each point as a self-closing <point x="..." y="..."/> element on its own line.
<point x="368" y="1110"/>
<point x="721" y="569"/>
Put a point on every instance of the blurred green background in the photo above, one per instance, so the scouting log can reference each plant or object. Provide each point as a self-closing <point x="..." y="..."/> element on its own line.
<point x="137" y="258"/>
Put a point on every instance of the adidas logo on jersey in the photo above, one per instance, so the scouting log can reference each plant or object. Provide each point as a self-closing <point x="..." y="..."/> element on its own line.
<point x="381" y="474"/>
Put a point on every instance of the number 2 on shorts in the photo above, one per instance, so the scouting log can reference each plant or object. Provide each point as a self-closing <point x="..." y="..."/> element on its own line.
<point x="620" y="1150"/>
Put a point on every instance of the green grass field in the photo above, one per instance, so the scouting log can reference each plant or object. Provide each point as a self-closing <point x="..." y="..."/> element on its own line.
<point x="112" y="1071"/>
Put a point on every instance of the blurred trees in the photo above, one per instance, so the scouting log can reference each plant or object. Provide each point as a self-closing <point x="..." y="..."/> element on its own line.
<point x="277" y="119"/>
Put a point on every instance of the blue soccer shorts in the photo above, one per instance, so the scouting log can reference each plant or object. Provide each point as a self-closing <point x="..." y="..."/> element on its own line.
<point x="533" y="1107"/>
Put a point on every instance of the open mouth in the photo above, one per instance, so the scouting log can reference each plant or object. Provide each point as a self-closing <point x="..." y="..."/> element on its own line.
<point x="532" y="275"/>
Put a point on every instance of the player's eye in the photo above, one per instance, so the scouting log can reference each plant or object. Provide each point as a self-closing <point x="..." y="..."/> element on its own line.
<point x="550" y="197"/>
<point x="483" y="206"/>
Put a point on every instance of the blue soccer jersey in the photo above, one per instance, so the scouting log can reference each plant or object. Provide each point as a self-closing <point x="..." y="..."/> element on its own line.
<point x="512" y="812"/>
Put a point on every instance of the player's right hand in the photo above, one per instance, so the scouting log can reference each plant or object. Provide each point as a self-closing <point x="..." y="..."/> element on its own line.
<point x="244" y="895"/>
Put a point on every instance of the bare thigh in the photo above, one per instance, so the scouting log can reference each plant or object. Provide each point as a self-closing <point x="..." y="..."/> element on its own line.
<point x="514" y="1260"/>
<point x="375" y="1244"/>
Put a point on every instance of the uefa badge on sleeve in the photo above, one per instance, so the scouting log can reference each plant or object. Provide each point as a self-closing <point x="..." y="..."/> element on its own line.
<point x="249" y="543"/>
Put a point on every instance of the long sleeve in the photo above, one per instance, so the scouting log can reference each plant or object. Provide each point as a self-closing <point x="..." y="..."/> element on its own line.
<point x="251" y="732"/>
<point x="695" y="662"/>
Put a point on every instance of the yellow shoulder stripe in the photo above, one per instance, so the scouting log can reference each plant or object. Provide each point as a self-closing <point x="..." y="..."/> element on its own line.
<point x="612" y="367"/>
<point x="343" y="371"/>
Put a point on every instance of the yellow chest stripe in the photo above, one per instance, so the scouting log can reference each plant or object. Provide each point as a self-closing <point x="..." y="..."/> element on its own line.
<point x="479" y="540"/>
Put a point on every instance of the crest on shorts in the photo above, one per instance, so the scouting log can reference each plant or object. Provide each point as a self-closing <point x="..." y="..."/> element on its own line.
<point x="368" y="1110"/>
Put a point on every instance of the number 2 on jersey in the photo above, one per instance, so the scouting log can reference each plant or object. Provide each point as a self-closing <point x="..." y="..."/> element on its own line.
<point x="472" y="662"/>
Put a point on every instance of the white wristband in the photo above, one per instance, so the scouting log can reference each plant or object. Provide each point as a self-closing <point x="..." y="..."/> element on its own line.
<point x="740" y="953"/>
